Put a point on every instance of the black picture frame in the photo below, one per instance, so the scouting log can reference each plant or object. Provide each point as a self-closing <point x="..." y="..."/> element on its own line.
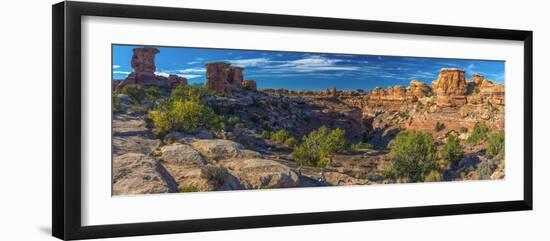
<point x="66" y="47"/>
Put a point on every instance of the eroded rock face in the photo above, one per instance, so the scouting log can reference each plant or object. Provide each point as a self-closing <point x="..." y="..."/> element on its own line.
<point x="417" y="90"/>
<point x="250" y="84"/>
<point x="450" y="87"/>
<point x="135" y="173"/>
<point x="262" y="173"/>
<point x="224" y="78"/>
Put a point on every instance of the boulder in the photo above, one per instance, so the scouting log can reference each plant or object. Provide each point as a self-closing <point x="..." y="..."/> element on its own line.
<point x="187" y="176"/>
<point x="258" y="173"/>
<point x="181" y="154"/>
<point x="218" y="149"/>
<point x="133" y="144"/>
<point x="340" y="179"/>
<point x="135" y="173"/>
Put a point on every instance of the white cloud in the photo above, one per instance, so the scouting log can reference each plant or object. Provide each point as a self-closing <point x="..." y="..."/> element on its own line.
<point x="121" y="72"/>
<point x="190" y="76"/>
<point x="250" y="62"/>
<point x="193" y="70"/>
<point x="187" y="76"/>
<point x="116" y="66"/>
<point x="196" y="61"/>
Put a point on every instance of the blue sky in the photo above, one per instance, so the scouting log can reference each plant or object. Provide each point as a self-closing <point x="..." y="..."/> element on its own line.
<point x="313" y="71"/>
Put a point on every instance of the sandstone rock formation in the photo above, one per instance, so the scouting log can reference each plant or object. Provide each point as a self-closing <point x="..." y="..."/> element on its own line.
<point x="224" y="78"/>
<point x="417" y="90"/>
<point x="250" y="84"/>
<point x="140" y="174"/>
<point x="391" y="98"/>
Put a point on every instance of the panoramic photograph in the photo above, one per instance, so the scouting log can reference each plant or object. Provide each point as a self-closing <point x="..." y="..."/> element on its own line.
<point x="188" y="119"/>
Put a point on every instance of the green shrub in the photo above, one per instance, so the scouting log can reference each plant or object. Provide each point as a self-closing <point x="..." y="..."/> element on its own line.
<point x="135" y="92"/>
<point x="319" y="147"/>
<point x="280" y="136"/>
<point x="116" y="102"/>
<point x="439" y="126"/>
<point x="433" y="176"/>
<point x="453" y="151"/>
<point x="495" y="147"/>
<point x="412" y="156"/>
<point x="214" y="174"/>
<point x="266" y="134"/>
<point x="291" y="142"/>
<point x="189" y="189"/>
<point x="479" y="134"/>
<point x="153" y="93"/>
<point x="463" y="130"/>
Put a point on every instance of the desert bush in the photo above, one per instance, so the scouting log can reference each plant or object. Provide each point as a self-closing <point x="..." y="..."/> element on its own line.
<point x="495" y="147"/>
<point x="412" y="156"/>
<point x="319" y="147"/>
<point x="153" y="93"/>
<point x="135" y="92"/>
<point x="280" y="136"/>
<point x="189" y="92"/>
<point x="214" y="174"/>
<point x="433" y="176"/>
<point x="187" y="116"/>
<point x="479" y="134"/>
<point x="439" y="126"/>
<point x="266" y="134"/>
<point x="116" y="102"/>
<point x="463" y="130"/>
<point x="291" y="142"/>
<point x="189" y="189"/>
<point x="232" y="120"/>
<point x="452" y="151"/>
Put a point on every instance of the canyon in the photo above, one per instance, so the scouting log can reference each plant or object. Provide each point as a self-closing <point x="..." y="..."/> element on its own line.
<point x="146" y="162"/>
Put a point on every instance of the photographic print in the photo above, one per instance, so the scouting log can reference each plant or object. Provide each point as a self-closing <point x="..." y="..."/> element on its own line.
<point x="189" y="119"/>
